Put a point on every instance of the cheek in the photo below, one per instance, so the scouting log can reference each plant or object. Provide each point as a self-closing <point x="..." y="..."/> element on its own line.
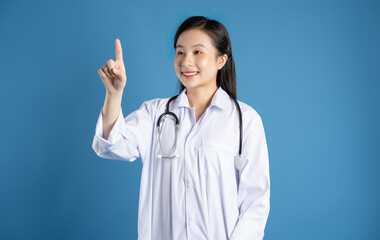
<point x="176" y="64"/>
<point x="203" y="63"/>
<point x="207" y="64"/>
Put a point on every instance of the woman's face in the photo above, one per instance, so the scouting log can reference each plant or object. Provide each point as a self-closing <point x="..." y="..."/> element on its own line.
<point x="196" y="62"/>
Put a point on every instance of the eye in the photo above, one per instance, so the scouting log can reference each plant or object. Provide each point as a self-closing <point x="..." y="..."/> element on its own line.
<point x="197" y="52"/>
<point x="179" y="53"/>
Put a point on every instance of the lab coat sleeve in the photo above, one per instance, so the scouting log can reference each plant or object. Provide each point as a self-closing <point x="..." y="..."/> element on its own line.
<point x="129" y="137"/>
<point x="254" y="183"/>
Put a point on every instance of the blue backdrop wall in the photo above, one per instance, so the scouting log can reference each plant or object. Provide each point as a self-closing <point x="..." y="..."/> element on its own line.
<point x="310" y="69"/>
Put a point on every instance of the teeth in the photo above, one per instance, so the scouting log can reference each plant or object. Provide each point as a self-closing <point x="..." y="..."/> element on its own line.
<point x="190" y="74"/>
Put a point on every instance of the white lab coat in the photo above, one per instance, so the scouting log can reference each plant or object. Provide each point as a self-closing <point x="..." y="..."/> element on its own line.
<point x="200" y="194"/>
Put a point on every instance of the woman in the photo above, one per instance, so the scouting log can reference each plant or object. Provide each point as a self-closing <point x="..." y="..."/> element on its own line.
<point x="199" y="181"/>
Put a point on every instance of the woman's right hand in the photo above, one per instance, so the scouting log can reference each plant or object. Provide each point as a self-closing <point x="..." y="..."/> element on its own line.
<point x="113" y="73"/>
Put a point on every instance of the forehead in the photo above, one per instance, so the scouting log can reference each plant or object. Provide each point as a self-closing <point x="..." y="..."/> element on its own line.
<point x="194" y="36"/>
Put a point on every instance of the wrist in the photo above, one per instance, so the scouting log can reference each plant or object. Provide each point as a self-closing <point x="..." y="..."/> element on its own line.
<point x="114" y="95"/>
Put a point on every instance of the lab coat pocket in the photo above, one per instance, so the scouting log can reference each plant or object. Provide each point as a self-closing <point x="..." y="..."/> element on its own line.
<point x="217" y="158"/>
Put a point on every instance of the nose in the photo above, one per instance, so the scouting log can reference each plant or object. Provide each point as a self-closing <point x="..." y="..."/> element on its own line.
<point x="187" y="60"/>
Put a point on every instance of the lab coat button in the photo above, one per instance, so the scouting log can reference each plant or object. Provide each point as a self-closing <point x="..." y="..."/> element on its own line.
<point x="189" y="184"/>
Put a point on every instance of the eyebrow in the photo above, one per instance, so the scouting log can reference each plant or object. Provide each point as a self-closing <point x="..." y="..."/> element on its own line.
<point x="196" y="45"/>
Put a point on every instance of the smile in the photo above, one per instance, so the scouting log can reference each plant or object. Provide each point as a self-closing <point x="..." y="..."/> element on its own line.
<point x="190" y="74"/>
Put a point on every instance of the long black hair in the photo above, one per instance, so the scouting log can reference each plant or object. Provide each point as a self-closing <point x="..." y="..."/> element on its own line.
<point x="226" y="76"/>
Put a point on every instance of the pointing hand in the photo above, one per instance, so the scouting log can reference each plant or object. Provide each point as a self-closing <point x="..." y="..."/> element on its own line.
<point x="113" y="73"/>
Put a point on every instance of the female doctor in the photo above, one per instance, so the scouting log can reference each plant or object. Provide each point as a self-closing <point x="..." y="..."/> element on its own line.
<point x="205" y="162"/>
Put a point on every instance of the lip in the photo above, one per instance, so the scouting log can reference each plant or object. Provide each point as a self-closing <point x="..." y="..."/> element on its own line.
<point x="190" y="75"/>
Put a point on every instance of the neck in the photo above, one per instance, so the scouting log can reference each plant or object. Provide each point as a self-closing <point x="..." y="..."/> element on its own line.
<point x="200" y="98"/>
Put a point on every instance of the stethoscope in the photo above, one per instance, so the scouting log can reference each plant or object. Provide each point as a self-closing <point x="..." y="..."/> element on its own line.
<point x="238" y="160"/>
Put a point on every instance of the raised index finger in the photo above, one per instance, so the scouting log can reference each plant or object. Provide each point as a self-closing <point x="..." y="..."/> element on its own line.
<point x="118" y="51"/>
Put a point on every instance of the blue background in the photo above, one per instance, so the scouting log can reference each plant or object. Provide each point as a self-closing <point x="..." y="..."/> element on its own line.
<point x="310" y="69"/>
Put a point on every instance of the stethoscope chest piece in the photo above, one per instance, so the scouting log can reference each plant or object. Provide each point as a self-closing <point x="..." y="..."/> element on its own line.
<point x="239" y="162"/>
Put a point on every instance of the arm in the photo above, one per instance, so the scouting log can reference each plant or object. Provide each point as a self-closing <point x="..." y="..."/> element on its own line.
<point x="129" y="138"/>
<point x="254" y="184"/>
<point x="114" y="79"/>
<point x="110" y="112"/>
<point x="116" y="137"/>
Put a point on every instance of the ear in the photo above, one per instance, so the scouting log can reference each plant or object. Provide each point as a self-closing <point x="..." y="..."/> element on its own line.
<point x="222" y="60"/>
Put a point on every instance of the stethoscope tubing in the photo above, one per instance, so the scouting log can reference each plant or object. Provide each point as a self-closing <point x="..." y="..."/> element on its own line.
<point x="167" y="112"/>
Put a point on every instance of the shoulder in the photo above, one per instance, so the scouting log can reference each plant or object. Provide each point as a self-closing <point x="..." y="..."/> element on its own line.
<point x="251" y="118"/>
<point x="247" y="111"/>
<point x="156" y="103"/>
<point x="153" y="106"/>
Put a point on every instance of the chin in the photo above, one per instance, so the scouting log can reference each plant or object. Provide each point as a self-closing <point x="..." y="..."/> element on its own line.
<point x="190" y="85"/>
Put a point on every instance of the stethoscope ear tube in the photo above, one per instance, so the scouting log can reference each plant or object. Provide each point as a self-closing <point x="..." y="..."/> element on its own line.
<point x="162" y="118"/>
<point x="238" y="159"/>
<point x="240" y="126"/>
<point x="168" y="112"/>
